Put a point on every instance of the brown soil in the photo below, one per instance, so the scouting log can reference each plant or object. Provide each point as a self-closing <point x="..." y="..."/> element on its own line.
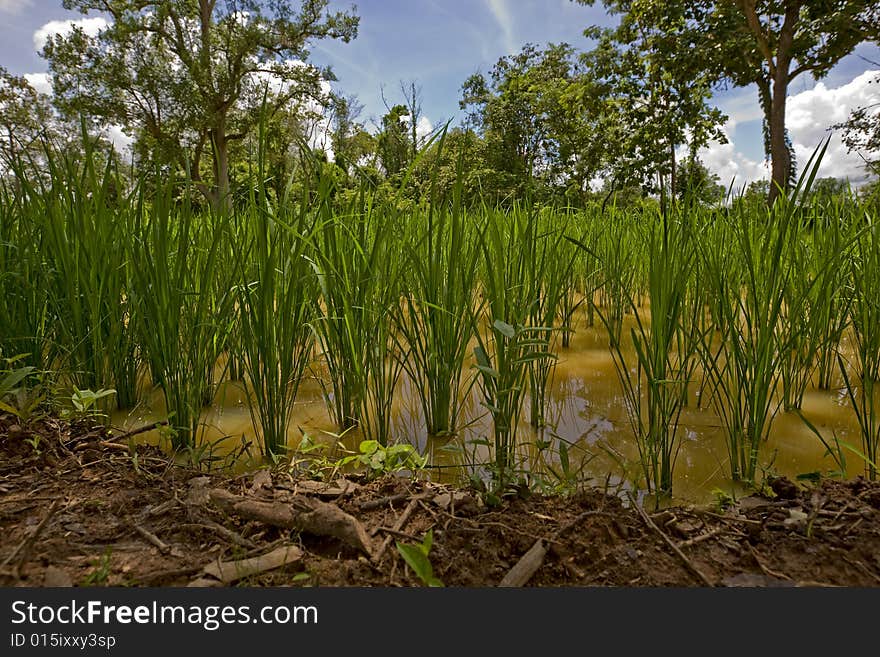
<point x="81" y="510"/>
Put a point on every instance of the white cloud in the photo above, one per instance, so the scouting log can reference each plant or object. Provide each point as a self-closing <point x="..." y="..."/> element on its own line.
<point x="424" y="127"/>
<point x="14" y="6"/>
<point x="732" y="167"/>
<point x="118" y="138"/>
<point x="90" y="26"/>
<point x="811" y="114"/>
<point x="503" y="17"/>
<point x="41" y="82"/>
<point x="741" y="106"/>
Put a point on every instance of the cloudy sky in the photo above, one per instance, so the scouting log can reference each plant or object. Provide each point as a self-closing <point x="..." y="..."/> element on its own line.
<point x="439" y="43"/>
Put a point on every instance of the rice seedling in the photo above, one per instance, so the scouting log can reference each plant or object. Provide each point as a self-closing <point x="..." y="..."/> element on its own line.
<point x="84" y="220"/>
<point x="574" y="282"/>
<point x="862" y="388"/>
<point x="745" y="367"/>
<point x="435" y="321"/>
<point x="814" y="315"/>
<point x="275" y="298"/>
<point x="553" y="286"/>
<point x="832" y="240"/>
<point x="385" y="354"/>
<point x="184" y="296"/>
<point x="665" y="338"/>
<point x="511" y="283"/>
<point x="25" y="324"/>
<point x="617" y="255"/>
<point x="355" y="268"/>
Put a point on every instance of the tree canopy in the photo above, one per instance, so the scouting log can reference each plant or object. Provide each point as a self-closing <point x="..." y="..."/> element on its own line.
<point x="191" y="77"/>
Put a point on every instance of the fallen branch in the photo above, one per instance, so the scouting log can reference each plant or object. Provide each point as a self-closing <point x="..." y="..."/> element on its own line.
<point x="765" y="569"/>
<point x="229" y="572"/>
<point x="681" y="555"/>
<point x="216" y="527"/>
<point x="301" y="513"/>
<point x="140" y="430"/>
<point x="383" y="501"/>
<point x="701" y="538"/>
<point x="23" y="549"/>
<point x="151" y="538"/>
<point x="527" y="566"/>
<point x="398" y="526"/>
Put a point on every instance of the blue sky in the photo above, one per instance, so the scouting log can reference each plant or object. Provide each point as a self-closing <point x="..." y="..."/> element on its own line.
<point x="439" y="43"/>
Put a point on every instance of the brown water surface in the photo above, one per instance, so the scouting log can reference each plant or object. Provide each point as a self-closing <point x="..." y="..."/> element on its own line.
<point x="585" y="408"/>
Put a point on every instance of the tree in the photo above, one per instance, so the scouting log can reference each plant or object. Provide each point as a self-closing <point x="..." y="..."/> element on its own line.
<point x="26" y="121"/>
<point x="768" y="43"/>
<point x="697" y="184"/>
<point x="394" y="146"/>
<point x="539" y="117"/>
<point x="192" y="75"/>
<point x="352" y="144"/>
<point x="656" y="92"/>
<point x="862" y="132"/>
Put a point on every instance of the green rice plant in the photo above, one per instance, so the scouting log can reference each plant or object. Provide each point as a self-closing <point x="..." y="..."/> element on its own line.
<point x="744" y="368"/>
<point x="385" y="353"/>
<point x="435" y="320"/>
<point x="355" y="265"/>
<point x="815" y="310"/>
<point x="184" y="296"/>
<point x="572" y="281"/>
<point x="276" y="295"/>
<point x="555" y="269"/>
<point x="84" y="221"/>
<point x="832" y="241"/>
<point x="665" y="339"/>
<point x="511" y="284"/>
<point x="616" y="252"/>
<point x="862" y="388"/>
<point x="25" y="316"/>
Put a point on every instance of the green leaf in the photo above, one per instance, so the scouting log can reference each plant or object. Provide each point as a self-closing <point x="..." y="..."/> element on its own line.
<point x="504" y="329"/>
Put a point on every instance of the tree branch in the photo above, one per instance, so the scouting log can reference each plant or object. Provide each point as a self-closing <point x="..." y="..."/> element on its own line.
<point x="749" y="10"/>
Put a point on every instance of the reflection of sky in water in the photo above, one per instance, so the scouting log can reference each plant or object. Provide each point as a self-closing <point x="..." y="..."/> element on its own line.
<point x="585" y="408"/>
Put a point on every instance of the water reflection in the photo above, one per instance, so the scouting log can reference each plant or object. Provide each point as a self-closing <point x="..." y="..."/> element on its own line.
<point x="585" y="409"/>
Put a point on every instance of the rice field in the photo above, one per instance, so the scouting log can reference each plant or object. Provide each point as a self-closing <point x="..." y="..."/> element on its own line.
<point x="458" y="330"/>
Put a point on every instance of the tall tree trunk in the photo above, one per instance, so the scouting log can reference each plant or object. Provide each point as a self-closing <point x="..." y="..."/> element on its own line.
<point x="780" y="156"/>
<point x="220" y="144"/>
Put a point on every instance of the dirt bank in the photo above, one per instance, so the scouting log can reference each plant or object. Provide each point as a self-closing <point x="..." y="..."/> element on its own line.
<point x="82" y="510"/>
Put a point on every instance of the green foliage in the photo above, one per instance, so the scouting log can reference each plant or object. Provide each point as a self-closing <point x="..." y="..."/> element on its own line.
<point x="538" y="118"/>
<point x="275" y="295"/>
<point x="656" y="93"/>
<point x="381" y="459"/>
<point x="416" y="557"/>
<point x="186" y="77"/>
<point x="16" y="396"/>
<point x="85" y="404"/>
<point x="767" y="42"/>
<point x="100" y="572"/>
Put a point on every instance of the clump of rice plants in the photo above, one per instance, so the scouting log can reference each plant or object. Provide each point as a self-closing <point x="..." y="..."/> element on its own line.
<point x="435" y="322"/>
<point x="665" y="338"/>
<point x="555" y="270"/>
<point x="507" y="344"/>
<point x="356" y="269"/>
<point x="184" y="296"/>
<point x="276" y="293"/>
<point x="862" y="387"/>
<point x="744" y="360"/>
<point x="25" y="323"/>
<point x="84" y="219"/>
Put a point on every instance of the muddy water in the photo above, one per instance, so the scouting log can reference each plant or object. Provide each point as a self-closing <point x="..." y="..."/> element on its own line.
<point x="585" y="408"/>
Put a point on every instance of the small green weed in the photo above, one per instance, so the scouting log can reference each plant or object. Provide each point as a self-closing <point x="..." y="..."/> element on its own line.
<point x="416" y="557"/>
